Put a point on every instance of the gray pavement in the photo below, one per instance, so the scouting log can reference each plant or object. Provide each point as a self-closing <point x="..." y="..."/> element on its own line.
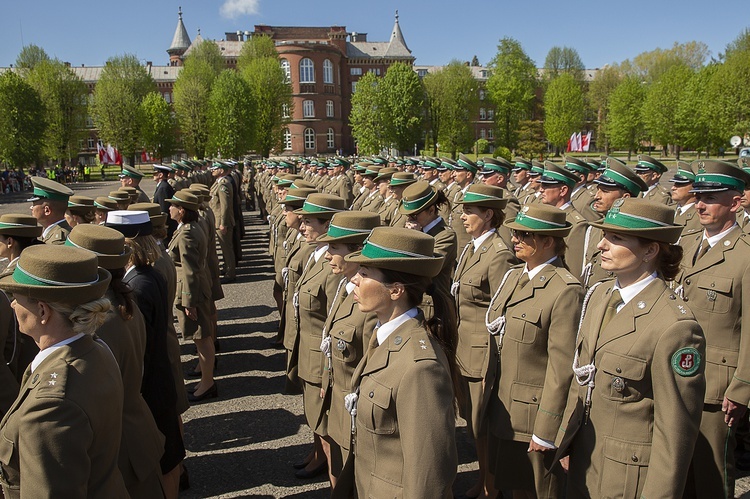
<point x="243" y="443"/>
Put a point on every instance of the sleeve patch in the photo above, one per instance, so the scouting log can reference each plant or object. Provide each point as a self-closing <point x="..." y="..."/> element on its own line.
<point x="686" y="361"/>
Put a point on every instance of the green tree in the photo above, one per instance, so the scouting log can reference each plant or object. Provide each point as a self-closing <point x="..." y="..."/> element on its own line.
<point x="563" y="104"/>
<point x="272" y="98"/>
<point x="30" y="56"/>
<point x="697" y="130"/>
<point x="22" y="121"/>
<point x="561" y="60"/>
<point x="661" y="105"/>
<point x="600" y="89"/>
<point x="649" y="66"/>
<point x="65" y="98"/>
<point x="116" y="105"/>
<point x="257" y="47"/>
<point x="453" y="98"/>
<point x="191" y="93"/>
<point x="727" y="100"/>
<point x="230" y="114"/>
<point x="511" y="87"/>
<point x="365" y="116"/>
<point x="159" y="131"/>
<point x="531" y="140"/>
<point x="481" y="146"/>
<point x="739" y="45"/>
<point x="625" y="128"/>
<point x="401" y="96"/>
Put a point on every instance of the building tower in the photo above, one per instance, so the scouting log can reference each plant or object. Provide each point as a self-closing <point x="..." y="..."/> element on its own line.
<point x="180" y="42"/>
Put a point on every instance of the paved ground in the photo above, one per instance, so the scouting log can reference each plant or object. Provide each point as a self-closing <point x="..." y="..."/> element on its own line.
<point x="243" y="443"/>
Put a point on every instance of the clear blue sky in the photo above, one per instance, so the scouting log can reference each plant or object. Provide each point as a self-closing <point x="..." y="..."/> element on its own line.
<point x="604" y="31"/>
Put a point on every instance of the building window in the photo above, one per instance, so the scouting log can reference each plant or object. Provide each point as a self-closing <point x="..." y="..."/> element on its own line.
<point x="327" y="72"/>
<point x="91" y="143"/>
<point x="330" y="139"/>
<point x="482" y="134"/>
<point x="89" y="122"/>
<point x="490" y="114"/>
<point x="168" y="97"/>
<point x="421" y="73"/>
<point x="491" y="134"/>
<point x="287" y="140"/>
<point x="355" y="71"/>
<point x="287" y="69"/>
<point x="306" y="71"/>
<point x="482" y="113"/>
<point x="375" y="71"/>
<point x="481" y="95"/>
<point x="285" y="110"/>
<point x="309" y="138"/>
<point x="354" y="86"/>
<point x="308" y="109"/>
<point x="329" y="108"/>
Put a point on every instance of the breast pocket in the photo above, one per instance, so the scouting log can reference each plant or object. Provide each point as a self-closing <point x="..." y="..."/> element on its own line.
<point x="310" y="297"/>
<point x="714" y="294"/>
<point x="524" y="324"/>
<point x="476" y="287"/>
<point x="623" y="377"/>
<point x="9" y="473"/>
<point x="375" y="410"/>
<point x="343" y="347"/>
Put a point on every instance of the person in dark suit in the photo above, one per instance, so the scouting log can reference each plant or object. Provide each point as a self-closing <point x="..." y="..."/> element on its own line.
<point x="163" y="192"/>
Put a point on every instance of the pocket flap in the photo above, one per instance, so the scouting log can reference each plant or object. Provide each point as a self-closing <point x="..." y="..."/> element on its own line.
<point x="344" y="332"/>
<point x="378" y="394"/>
<point x="6" y="450"/>
<point x="521" y="392"/>
<point x="717" y="283"/>
<point x="631" y="453"/>
<point x="722" y="356"/>
<point x="472" y="279"/>
<point x="622" y="365"/>
<point x="528" y="314"/>
<point x="312" y="289"/>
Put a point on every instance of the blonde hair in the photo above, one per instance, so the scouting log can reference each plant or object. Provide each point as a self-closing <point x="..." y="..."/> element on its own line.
<point x="85" y="318"/>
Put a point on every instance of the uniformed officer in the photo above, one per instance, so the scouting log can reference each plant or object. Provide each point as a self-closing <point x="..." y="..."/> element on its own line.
<point x="102" y="206"/>
<point x="535" y="175"/>
<point x="80" y="210"/>
<point x="496" y="171"/>
<point x="164" y="191"/>
<point x="388" y="205"/>
<point x="48" y="204"/>
<point x="635" y="402"/>
<point x="582" y="197"/>
<point x="533" y="318"/>
<point x="716" y="268"/>
<point x="130" y="177"/>
<point x="374" y="200"/>
<point x="122" y="199"/>
<point x="222" y="204"/>
<point x="399" y="181"/>
<point x="69" y="409"/>
<point x="651" y="170"/>
<point x="521" y="170"/>
<point x="405" y="425"/>
<point x="481" y="266"/>
<point x="340" y="184"/>
<point x="556" y="187"/>
<point x="464" y="174"/>
<point x="685" y="214"/>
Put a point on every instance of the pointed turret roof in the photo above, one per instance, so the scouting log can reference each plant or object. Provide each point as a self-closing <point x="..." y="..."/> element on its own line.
<point x="181" y="40"/>
<point x="397" y="46"/>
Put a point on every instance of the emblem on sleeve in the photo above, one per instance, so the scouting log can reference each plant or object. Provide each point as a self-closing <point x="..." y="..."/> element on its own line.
<point x="686" y="361"/>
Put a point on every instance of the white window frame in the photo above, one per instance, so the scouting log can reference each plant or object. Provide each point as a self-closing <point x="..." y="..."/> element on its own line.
<point x="327" y="72"/>
<point x="287" y="68"/>
<point x="355" y="71"/>
<point x="308" y="109"/>
<point x="309" y="136"/>
<point x="329" y="109"/>
<point x="285" y="110"/>
<point x="287" y="140"/>
<point x="331" y="139"/>
<point x="306" y="70"/>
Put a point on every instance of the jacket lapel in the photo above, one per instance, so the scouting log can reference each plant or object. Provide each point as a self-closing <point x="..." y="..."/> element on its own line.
<point x="715" y="255"/>
<point x="623" y="323"/>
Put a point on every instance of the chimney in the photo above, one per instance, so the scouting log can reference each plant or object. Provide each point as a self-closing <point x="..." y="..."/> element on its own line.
<point x="67" y="64"/>
<point x="148" y="66"/>
<point x="239" y="36"/>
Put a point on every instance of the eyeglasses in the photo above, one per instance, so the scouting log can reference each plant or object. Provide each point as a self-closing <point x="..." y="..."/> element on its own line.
<point x="521" y="234"/>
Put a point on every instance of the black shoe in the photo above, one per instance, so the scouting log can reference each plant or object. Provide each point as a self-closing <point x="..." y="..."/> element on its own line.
<point x="211" y="393"/>
<point x="184" y="479"/>
<point x="304" y="474"/>
<point x="300" y="465"/>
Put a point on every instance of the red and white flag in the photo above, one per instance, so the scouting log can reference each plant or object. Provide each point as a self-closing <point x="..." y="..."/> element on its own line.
<point x="586" y="142"/>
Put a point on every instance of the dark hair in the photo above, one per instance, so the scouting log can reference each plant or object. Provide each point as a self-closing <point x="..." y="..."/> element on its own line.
<point x="440" y="200"/>
<point x="442" y="326"/>
<point x="159" y="231"/>
<point x="498" y="216"/>
<point x="668" y="260"/>
<point x="123" y="299"/>
<point x="189" y="216"/>
<point x="23" y="241"/>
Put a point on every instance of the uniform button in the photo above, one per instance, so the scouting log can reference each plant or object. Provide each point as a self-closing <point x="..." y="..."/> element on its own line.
<point x="685" y="299"/>
<point x="372" y="394"/>
<point x="523" y="316"/>
<point x="713" y="285"/>
<point x="634" y="458"/>
<point x="533" y="399"/>
<point x="723" y="360"/>
<point x="687" y="281"/>
<point x="618" y="370"/>
<point x="469" y="280"/>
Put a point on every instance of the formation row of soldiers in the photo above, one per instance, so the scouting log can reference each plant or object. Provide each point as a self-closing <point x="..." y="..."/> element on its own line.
<point x="706" y="210"/>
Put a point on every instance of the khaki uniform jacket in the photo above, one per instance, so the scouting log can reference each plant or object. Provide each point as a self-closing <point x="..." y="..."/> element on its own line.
<point x="188" y="252"/>
<point x="643" y="423"/>
<point x="478" y="277"/>
<point x="142" y="196"/>
<point x="445" y="244"/>
<point x="406" y="444"/>
<point x="359" y="197"/>
<point x="295" y="264"/>
<point x="222" y="202"/>
<point x="714" y="290"/>
<point x="387" y="210"/>
<point x="275" y="218"/>
<point x="455" y="222"/>
<point x="141" y="445"/>
<point x="69" y="412"/>
<point x="593" y="271"/>
<point x="447" y="211"/>
<point x="372" y="203"/>
<point x="342" y="187"/>
<point x="316" y="288"/>
<point x="57" y="234"/>
<point x="350" y="332"/>
<point x="207" y="224"/>
<point x="690" y="220"/>
<point x="581" y="200"/>
<point x="659" y="194"/>
<point x="10" y="340"/>
<point x="575" y="241"/>
<point x="529" y="367"/>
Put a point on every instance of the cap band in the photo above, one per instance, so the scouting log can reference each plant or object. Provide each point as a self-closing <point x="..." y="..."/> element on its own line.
<point x="627" y="221"/>
<point x="415" y="204"/>
<point x="474" y="197"/>
<point x="399" y="181"/>
<point x="337" y="231"/>
<point x="724" y="180"/>
<point x="375" y="251"/>
<point x="68" y="242"/>
<point x="97" y="205"/>
<point x="126" y="173"/>
<point x="54" y="196"/>
<point x="625" y="182"/>
<point x="537" y="223"/>
<point x="316" y="208"/>
<point x="10" y="225"/>
<point x="23" y="277"/>
<point x="649" y="165"/>
<point x="558" y="177"/>
<point x="522" y="165"/>
<point x="686" y="174"/>
<point x="468" y="166"/>
<point x="576" y="167"/>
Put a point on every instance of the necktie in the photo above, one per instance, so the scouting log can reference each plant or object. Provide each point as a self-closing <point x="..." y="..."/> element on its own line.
<point x="612" y="304"/>
<point x="523" y="281"/>
<point x="702" y="250"/>
<point x="373" y="343"/>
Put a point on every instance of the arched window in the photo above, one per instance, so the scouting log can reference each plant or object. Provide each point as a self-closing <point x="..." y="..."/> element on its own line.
<point x="287" y="69"/>
<point x="330" y="139"/>
<point x="287" y="139"/>
<point x="327" y="72"/>
<point x="309" y="138"/>
<point x="306" y="71"/>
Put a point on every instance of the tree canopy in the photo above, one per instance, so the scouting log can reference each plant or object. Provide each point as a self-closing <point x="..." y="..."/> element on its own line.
<point x="625" y="128"/>
<point x="271" y="95"/>
<point x="365" y="118"/>
<point x="159" y="128"/>
<point x="22" y="121"/>
<point x="230" y="111"/>
<point x="563" y="109"/>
